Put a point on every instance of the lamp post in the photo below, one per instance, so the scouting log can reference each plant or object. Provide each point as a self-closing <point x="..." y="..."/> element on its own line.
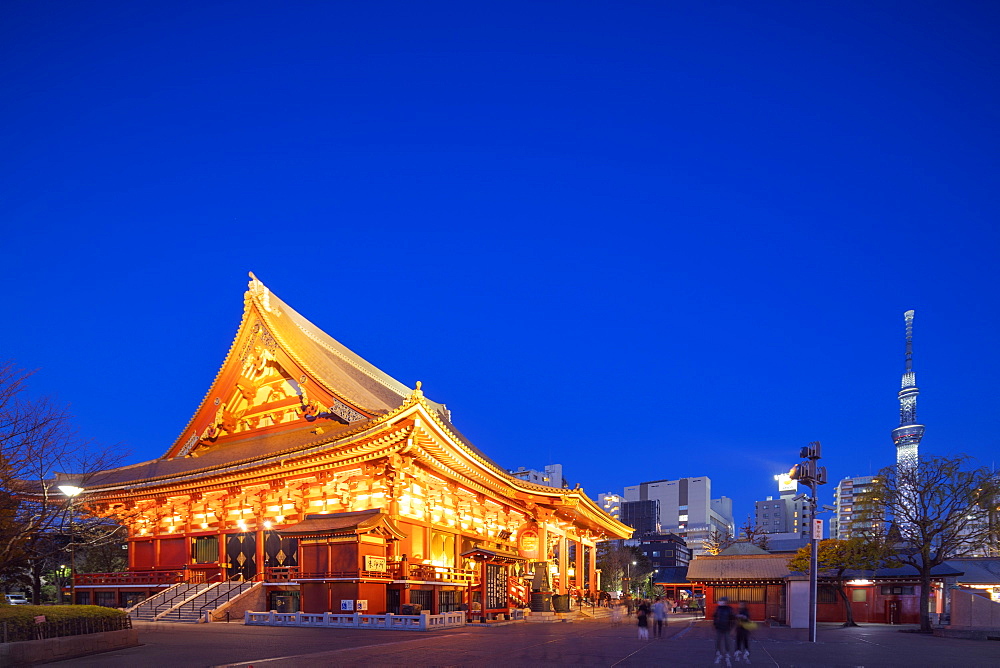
<point x="809" y="474"/>
<point x="71" y="491"/>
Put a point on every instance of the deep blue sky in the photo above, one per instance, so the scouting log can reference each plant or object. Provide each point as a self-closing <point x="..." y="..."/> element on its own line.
<point x="642" y="239"/>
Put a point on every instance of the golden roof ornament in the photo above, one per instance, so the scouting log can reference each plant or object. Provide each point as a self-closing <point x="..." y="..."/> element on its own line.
<point x="417" y="394"/>
<point x="260" y="291"/>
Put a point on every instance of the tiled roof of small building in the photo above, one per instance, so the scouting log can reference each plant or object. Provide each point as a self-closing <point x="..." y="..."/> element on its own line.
<point x="738" y="567"/>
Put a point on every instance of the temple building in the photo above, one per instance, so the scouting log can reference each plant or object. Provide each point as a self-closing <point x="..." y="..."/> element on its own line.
<point x="315" y="476"/>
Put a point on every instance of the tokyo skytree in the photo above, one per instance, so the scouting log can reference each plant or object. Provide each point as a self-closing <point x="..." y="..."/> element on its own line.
<point x="908" y="434"/>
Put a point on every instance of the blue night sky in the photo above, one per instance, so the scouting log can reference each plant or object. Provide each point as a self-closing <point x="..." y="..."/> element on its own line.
<point x="645" y="240"/>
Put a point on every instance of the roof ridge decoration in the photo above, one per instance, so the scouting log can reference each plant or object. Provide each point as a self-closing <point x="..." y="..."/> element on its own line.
<point x="229" y="353"/>
<point x="263" y="295"/>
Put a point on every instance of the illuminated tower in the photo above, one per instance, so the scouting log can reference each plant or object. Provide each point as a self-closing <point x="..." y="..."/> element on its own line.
<point x="908" y="434"/>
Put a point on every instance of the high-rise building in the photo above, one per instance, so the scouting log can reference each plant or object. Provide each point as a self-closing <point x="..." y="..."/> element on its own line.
<point x="908" y="434"/>
<point x="612" y="503"/>
<point x="847" y="499"/>
<point x="686" y="508"/>
<point x="787" y="514"/>
<point x="643" y="516"/>
<point x="552" y="476"/>
<point x="784" y="519"/>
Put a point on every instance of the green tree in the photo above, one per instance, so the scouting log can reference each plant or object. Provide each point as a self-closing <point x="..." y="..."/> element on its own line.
<point x="835" y="558"/>
<point x="935" y="510"/>
<point x="620" y="562"/>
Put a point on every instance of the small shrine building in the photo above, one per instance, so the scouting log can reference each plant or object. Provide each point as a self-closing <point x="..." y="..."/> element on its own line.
<point x="311" y="471"/>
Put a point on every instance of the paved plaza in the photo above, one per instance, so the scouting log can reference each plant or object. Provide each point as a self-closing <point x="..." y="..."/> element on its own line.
<point x="587" y="643"/>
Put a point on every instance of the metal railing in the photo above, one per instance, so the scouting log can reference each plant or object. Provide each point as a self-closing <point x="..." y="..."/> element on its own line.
<point x="226" y="592"/>
<point x="224" y="597"/>
<point x="181" y="593"/>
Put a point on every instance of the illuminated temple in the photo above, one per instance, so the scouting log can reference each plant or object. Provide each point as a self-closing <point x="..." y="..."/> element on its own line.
<point x="312" y="473"/>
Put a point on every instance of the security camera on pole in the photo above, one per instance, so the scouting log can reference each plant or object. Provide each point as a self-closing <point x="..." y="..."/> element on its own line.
<point x="810" y="475"/>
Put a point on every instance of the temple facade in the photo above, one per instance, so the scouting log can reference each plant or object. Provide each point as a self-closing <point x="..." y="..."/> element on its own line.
<point x="312" y="472"/>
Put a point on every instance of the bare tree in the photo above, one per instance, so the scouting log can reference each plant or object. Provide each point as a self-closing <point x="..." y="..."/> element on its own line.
<point x="754" y="534"/>
<point x="37" y="441"/>
<point x="717" y="541"/>
<point x="934" y="510"/>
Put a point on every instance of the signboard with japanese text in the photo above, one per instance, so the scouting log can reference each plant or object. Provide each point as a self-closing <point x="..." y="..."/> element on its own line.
<point x="377" y="564"/>
<point x="817" y="530"/>
<point x="362" y="605"/>
<point x="346" y="605"/>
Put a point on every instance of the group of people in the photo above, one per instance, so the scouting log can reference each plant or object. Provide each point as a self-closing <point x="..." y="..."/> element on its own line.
<point x="725" y="620"/>
<point x="655" y="612"/>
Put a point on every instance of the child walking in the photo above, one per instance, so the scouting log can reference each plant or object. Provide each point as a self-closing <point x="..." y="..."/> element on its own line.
<point x="642" y="619"/>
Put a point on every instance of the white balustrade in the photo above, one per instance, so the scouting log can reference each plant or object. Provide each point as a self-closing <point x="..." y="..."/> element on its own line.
<point x="335" y="620"/>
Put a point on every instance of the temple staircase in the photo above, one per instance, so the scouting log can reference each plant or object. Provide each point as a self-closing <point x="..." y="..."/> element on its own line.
<point x="596" y="612"/>
<point x="194" y="608"/>
<point x="148" y="609"/>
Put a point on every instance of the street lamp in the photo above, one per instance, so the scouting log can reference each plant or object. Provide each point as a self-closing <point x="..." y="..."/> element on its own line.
<point x="809" y="474"/>
<point x="71" y="491"/>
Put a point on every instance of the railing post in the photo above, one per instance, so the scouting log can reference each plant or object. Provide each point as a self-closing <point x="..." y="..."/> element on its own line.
<point x="246" y="617"/>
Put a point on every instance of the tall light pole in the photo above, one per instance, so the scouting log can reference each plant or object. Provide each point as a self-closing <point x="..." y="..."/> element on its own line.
<point x="810" y="475"/>
<point x="71" y="491"/>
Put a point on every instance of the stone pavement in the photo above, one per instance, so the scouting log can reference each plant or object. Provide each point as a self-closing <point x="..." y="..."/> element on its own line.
<point x="588" y="643"/>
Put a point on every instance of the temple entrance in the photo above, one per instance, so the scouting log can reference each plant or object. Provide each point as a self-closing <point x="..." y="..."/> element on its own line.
<point x="280" y="551"/>
<point x="392" y="601"/>
<point x="241" y="552"/>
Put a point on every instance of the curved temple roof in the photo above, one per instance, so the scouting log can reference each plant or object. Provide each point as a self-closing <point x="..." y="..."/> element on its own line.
<point x="326" y="396"/>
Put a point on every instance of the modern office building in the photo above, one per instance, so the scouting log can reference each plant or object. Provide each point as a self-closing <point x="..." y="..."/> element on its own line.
<point x="667" y="552"/>
<point x="643" y="516"/>
<point x="788" y="513"/>
<point x="552" y="476"/>
<point x="686" y="508"/>
<point x="611" y="503"/>
<point x="785" y="518"/>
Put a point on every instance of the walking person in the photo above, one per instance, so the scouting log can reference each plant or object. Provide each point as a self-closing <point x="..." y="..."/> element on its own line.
<point x="744" y="625"/>
<point x="642" y="619"/>
<point x="723" y="620"/>
<point x="659" y="616"/>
